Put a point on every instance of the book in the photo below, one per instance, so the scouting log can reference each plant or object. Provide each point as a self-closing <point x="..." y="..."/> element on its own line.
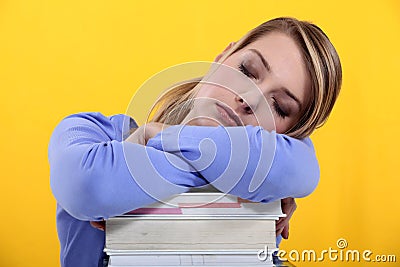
<point x="187" y="260"/>
<point x="209" y="204"/>
<point x="193" y="233"/>
<point x="194" y="229"/>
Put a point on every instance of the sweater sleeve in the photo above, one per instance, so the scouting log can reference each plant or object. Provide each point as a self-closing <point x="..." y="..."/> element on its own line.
<point x="94" y="174"/>
<point x="263" y="166"/>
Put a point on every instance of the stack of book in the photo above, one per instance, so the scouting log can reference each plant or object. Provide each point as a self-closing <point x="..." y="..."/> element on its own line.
<point x="195" y="229"/>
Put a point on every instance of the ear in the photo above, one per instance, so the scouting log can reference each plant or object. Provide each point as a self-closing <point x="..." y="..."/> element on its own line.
<point x="223" y="52"/>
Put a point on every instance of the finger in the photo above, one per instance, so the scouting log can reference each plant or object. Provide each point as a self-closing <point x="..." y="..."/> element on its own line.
<point x="288" y="201"/>
<point x="279" y="229"/>
<point x="98" y="225"/>
<point x="278" y="232"/>
<point x="285" y="232"/>
<point x="282" y="222"/>
<point x="288" y="205"/>
<point x="289" y="212"/>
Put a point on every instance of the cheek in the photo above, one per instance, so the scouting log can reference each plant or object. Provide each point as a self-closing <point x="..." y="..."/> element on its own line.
<point x="283" y="125"/>
<point x="280" y="128"/>
<point x="204" y="91"/>
<point x="213" y="92"/>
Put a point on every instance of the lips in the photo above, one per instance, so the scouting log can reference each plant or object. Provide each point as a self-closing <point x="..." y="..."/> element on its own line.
<point x="228" y="116"/>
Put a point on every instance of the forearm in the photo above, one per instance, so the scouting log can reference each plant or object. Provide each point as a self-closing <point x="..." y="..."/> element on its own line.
<point x="95" y="175"/>
<point x="246" y="161"/>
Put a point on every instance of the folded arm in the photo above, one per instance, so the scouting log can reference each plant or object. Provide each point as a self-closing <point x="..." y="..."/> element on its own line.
<point x="95" y="175"/>
<point x="262" y="166"/>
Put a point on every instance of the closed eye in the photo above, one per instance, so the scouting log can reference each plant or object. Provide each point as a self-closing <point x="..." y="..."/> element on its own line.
<point x="278" y="109"/>
<point x="245" y="71"/>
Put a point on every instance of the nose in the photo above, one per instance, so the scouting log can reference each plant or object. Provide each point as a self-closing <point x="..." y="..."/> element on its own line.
<point x="247" y="103"/>
<point x="243" y="105"/>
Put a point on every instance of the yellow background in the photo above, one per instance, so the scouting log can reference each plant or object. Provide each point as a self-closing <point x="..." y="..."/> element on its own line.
<point x="63" y="57"/>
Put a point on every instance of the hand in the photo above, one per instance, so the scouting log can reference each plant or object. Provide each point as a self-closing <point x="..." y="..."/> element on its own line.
<point x="282" y="225"/>
<point x="101" y="225"/>
<point x="142" y="134"/>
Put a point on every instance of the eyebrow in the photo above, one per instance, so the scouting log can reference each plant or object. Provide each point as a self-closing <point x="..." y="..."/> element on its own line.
<point x="265" y="63"/>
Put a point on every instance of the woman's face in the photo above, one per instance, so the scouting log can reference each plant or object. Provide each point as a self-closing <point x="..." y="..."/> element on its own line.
<point x="276" y="78"/>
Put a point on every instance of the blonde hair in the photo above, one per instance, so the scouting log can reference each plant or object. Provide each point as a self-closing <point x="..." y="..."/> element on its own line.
<point x="320" y="58"/>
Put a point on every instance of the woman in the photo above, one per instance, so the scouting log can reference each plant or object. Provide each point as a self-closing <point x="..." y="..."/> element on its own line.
<point x="96" y="175"/>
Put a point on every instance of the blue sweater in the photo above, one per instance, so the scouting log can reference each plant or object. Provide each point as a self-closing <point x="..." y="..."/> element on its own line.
<point x="95" y="175"/>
